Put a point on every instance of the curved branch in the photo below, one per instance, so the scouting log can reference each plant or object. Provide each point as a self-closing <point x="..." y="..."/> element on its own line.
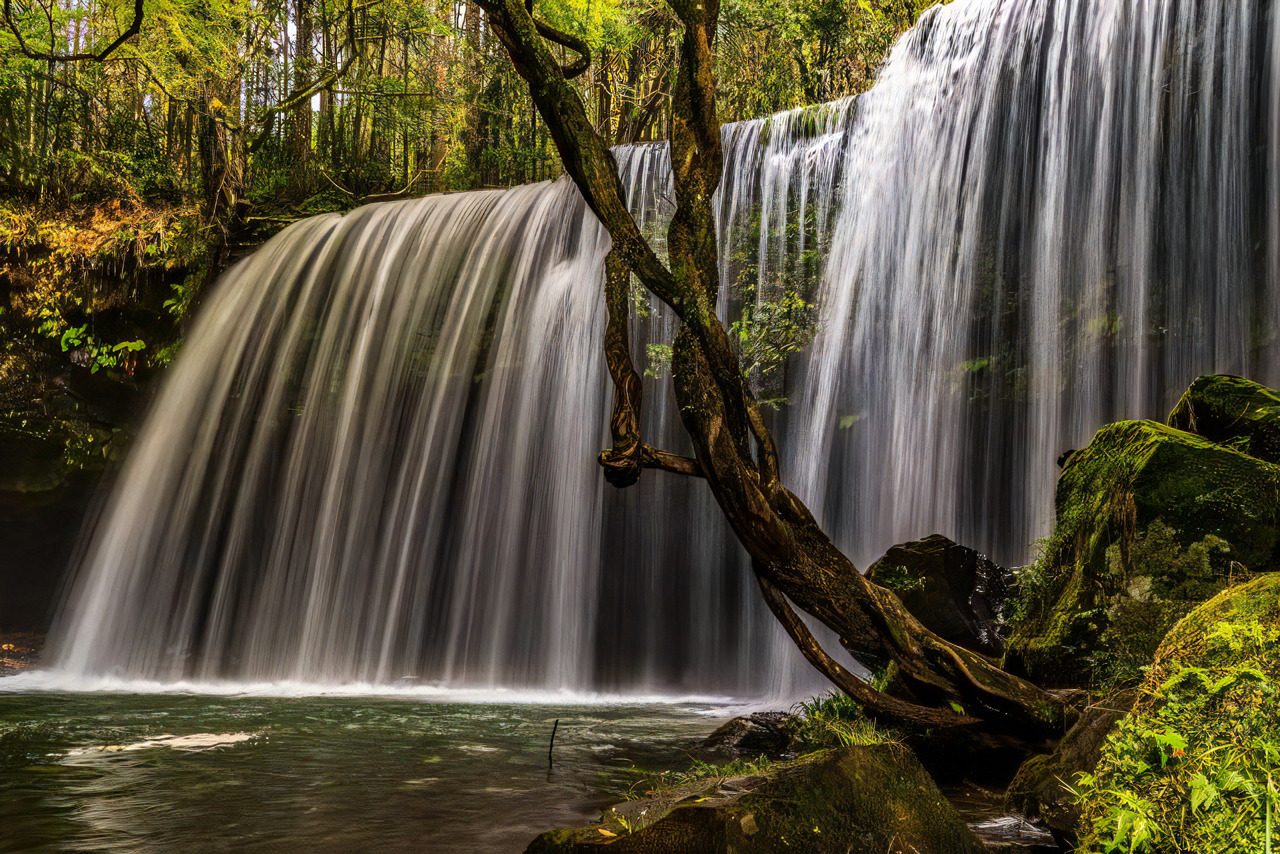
<point x="733" y="447"/>
<point x="877" y="705"/>
<point x="579" y="65"/>
<point x="133" y="29"/>
<point x="622" y="462"/>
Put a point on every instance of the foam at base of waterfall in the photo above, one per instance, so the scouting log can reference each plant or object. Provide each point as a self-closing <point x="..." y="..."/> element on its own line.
<point x="59" y="682"/>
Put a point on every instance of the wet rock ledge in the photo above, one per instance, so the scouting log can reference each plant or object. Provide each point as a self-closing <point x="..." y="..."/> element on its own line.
<point x="873" y="799"/>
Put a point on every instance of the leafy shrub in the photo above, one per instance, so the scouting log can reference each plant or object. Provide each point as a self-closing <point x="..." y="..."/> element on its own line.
<point x="1195" y="766"/>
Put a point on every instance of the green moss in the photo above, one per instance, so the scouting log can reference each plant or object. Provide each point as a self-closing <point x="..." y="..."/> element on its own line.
<point x="1164" y="583"/>
<point x="1232" y="411"/>
<point x="1193" y="767"/>
<point x="874" y="798"/>
<point x="820" y="723"/>
<point x="1150" y="521"/>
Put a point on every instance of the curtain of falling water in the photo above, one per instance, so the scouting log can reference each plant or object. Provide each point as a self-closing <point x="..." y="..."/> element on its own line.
<point x="375" y="457"/>
<point x="1054" y="217"/>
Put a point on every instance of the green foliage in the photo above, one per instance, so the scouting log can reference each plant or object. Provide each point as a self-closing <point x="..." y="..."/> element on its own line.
<point x="1193" y="768"/>
<point x="71" y="270"/>
<point x="771" y="330"/>
<point x="836" y="720"/>
<point x="780" y="54"/>
<point x="427" y="101"/>
<point x="659" y="361"/>
<point x="897" y="577"/>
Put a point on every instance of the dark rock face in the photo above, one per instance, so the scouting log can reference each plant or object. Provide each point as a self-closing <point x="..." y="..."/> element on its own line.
<point x="1151" y="521"/>
<point x="854" y="800"/>
<point x="1039" y="790"/>
<point x="61" y="430"/>
<point x="38" y="533"/>
<point x="956" y="592"/>
<point x="749" y="736"/>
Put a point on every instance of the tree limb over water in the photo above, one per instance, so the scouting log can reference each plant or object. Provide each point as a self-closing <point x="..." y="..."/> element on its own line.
<point x="939" y="685"/>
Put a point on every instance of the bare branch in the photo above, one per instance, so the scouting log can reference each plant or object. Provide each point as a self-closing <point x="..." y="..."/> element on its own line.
<point x="653" y="458"/>
<point x="133" y="29"/>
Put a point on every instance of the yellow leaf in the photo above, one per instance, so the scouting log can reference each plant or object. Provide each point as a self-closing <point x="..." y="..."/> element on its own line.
<point x="604" y="832"/>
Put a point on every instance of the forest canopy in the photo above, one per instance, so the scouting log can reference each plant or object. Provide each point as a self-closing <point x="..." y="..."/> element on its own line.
<point x="317" y="104"/>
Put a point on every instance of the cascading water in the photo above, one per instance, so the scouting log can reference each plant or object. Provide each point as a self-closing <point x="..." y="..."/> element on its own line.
<point x="375" y="459"/>
<point x="1053" y="218"/>
<point x="375" y="456"/>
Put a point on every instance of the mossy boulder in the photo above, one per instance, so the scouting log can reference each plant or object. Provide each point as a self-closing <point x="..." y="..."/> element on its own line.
<point x="1191" y="767"/>
<point x="958" y="593"/>
<point x="1151" y="520"/>
<point x="853" y="800"/>
<point x="1232" y="411"/>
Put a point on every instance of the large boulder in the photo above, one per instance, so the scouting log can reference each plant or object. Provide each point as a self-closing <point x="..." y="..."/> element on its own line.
<point x="1232" y="411"/>
<point x="1191" y="767"/>
<point x="1151" y="520"/>
<point x="855" y="800"/>
<point x="955" y="591"/>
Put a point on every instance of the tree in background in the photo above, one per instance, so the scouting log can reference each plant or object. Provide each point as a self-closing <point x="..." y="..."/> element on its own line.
<point x="317" y="104"/>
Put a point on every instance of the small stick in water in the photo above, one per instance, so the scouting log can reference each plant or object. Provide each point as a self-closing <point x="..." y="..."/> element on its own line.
<point x="552" y="745"/>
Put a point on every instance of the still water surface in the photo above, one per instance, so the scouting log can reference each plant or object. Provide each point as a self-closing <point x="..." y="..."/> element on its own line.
<point x="182" y="772"/>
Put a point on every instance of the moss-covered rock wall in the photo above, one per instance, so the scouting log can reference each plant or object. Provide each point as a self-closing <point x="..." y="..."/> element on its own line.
<point x="1151" y="520"/>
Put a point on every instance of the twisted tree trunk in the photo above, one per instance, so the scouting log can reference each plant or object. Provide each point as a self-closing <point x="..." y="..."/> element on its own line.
<point x="942" y="686"/>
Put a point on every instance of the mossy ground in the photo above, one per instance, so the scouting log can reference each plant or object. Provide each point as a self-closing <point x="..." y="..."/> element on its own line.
<point x="1195" y="767"/>
<point x="820" y="723"/>
<point x="847" y="800"/>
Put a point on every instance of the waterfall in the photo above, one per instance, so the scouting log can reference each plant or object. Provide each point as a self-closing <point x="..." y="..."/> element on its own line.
<point x="1053" y="218"/>
<point x="374" y="458"/>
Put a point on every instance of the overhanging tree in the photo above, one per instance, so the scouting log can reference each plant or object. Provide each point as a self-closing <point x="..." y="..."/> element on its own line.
<point x="938" y="686"/>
